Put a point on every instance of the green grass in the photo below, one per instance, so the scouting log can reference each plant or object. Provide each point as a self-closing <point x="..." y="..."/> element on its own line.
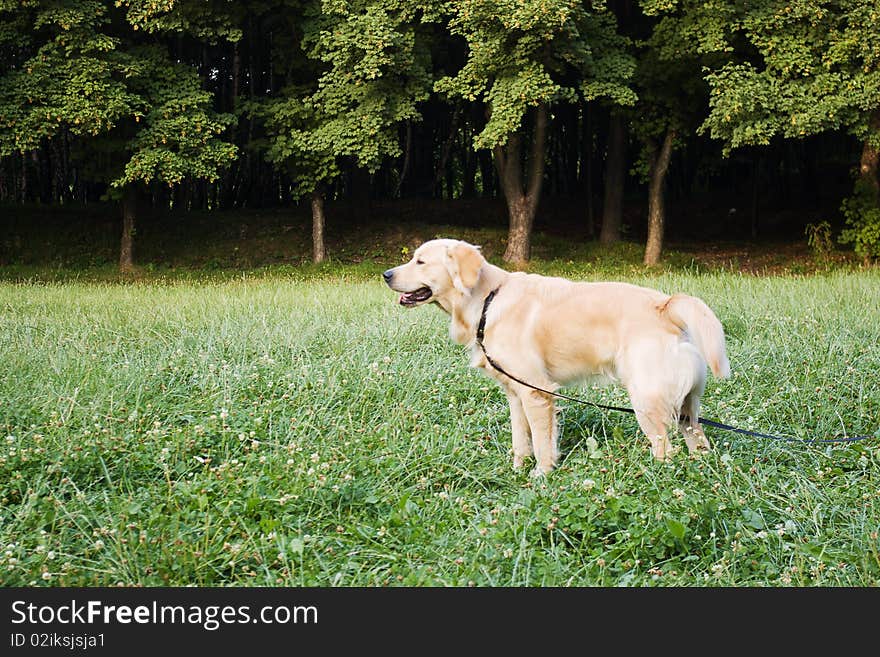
<point x="275" y="429"/>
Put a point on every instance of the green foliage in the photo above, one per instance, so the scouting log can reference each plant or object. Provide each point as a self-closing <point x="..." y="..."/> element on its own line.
<point x="179" y="137"/>
<point x="692" y="27"/>
<point x="75" y="80"/>
<point x="522" y="54"/>
<point x="369" y="67"/>
<point x="149" y="112"/>
<point x="801" y="69"/>
<point x="668" y="79"/>
<point x="210" y="20"/>
<point x="377" y="70"/>
<point x="863" y="218"/>
<point x="809" y="67"/>
<point x="819" y="238"/>
<point x="291" y="124"/>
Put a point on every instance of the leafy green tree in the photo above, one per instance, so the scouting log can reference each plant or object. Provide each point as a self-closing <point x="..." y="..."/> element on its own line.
<point x="523" y="57"/>
<point x="370" y="69"/>
<point x="672" y="102"/>
<point x="206" y="20"/>
<point x="292" y="124"/>
<point x="800" y="69"/>
<point x="88" y="77"/>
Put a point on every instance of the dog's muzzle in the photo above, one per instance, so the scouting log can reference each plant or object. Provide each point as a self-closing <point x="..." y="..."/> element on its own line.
<point x="418" y="296"/>
<point x="413" y="298"/>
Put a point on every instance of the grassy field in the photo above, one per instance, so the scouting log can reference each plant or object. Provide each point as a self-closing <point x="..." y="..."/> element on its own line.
<point x="274" y="430"/>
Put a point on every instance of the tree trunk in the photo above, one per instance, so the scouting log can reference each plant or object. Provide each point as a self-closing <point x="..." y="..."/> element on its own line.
<point x="318" y="251"/>
<point x="656" y="205"/>
<point x="615" y="175"/>
<point x="522" y="203"/>
<point x="129" y="213"/>
<point x="519" y="233"/>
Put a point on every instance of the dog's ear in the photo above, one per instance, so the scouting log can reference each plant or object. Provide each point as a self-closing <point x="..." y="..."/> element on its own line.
<point x="464" y="262"/>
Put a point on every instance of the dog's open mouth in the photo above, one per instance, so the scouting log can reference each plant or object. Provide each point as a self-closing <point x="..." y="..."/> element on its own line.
<point x="418" y="296"/>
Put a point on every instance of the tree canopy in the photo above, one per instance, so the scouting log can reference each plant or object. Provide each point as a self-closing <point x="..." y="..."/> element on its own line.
<point x="190" y="104"/>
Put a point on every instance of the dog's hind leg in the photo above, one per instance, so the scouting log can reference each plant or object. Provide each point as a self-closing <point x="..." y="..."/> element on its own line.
<point x="689" y="413"/>
<point x="689" y="423"/>
<point x="651" y="414"/>
<point x="540" y="411"/>
<point x="519" y="429"/>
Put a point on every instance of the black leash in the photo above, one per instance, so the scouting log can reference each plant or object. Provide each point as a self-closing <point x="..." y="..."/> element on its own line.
<point x="481" y="327"/>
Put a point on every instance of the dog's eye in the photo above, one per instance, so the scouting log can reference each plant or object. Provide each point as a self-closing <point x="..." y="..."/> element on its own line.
<point x="420" y="261"/>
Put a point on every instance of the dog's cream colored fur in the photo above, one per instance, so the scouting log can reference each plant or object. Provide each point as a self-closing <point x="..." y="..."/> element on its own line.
<point x="552" y="331"/>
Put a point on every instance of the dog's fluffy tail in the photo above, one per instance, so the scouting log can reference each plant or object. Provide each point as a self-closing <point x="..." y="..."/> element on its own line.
<point x="702" y="327"/>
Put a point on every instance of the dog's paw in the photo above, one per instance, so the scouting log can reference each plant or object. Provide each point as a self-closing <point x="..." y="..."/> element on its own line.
<point x="538" y="472"/>
<point x="664" y="458"/>
<point x="518" y="462"/>
<point x="698" y="452"/>
<point x="664" y="451"/>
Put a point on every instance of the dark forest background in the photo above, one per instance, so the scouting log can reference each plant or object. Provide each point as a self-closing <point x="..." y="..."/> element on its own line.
<point x="593" y="121"/>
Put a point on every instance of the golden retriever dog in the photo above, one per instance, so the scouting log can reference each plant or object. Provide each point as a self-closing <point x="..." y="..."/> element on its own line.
<point x="549" y="331"/>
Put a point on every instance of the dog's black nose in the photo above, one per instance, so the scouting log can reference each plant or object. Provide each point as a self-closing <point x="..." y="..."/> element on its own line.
<point x="387" y="275"/>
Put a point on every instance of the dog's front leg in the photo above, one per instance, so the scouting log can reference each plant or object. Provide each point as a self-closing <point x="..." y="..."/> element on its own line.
<point x="540" y="411"/>
<point x="519" y="428"/>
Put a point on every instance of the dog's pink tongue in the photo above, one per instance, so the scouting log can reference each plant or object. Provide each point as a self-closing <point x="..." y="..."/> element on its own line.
<point x="401" y="300"/>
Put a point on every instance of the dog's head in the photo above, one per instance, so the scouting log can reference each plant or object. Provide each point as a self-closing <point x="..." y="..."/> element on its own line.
<point x="439" y="269"/>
